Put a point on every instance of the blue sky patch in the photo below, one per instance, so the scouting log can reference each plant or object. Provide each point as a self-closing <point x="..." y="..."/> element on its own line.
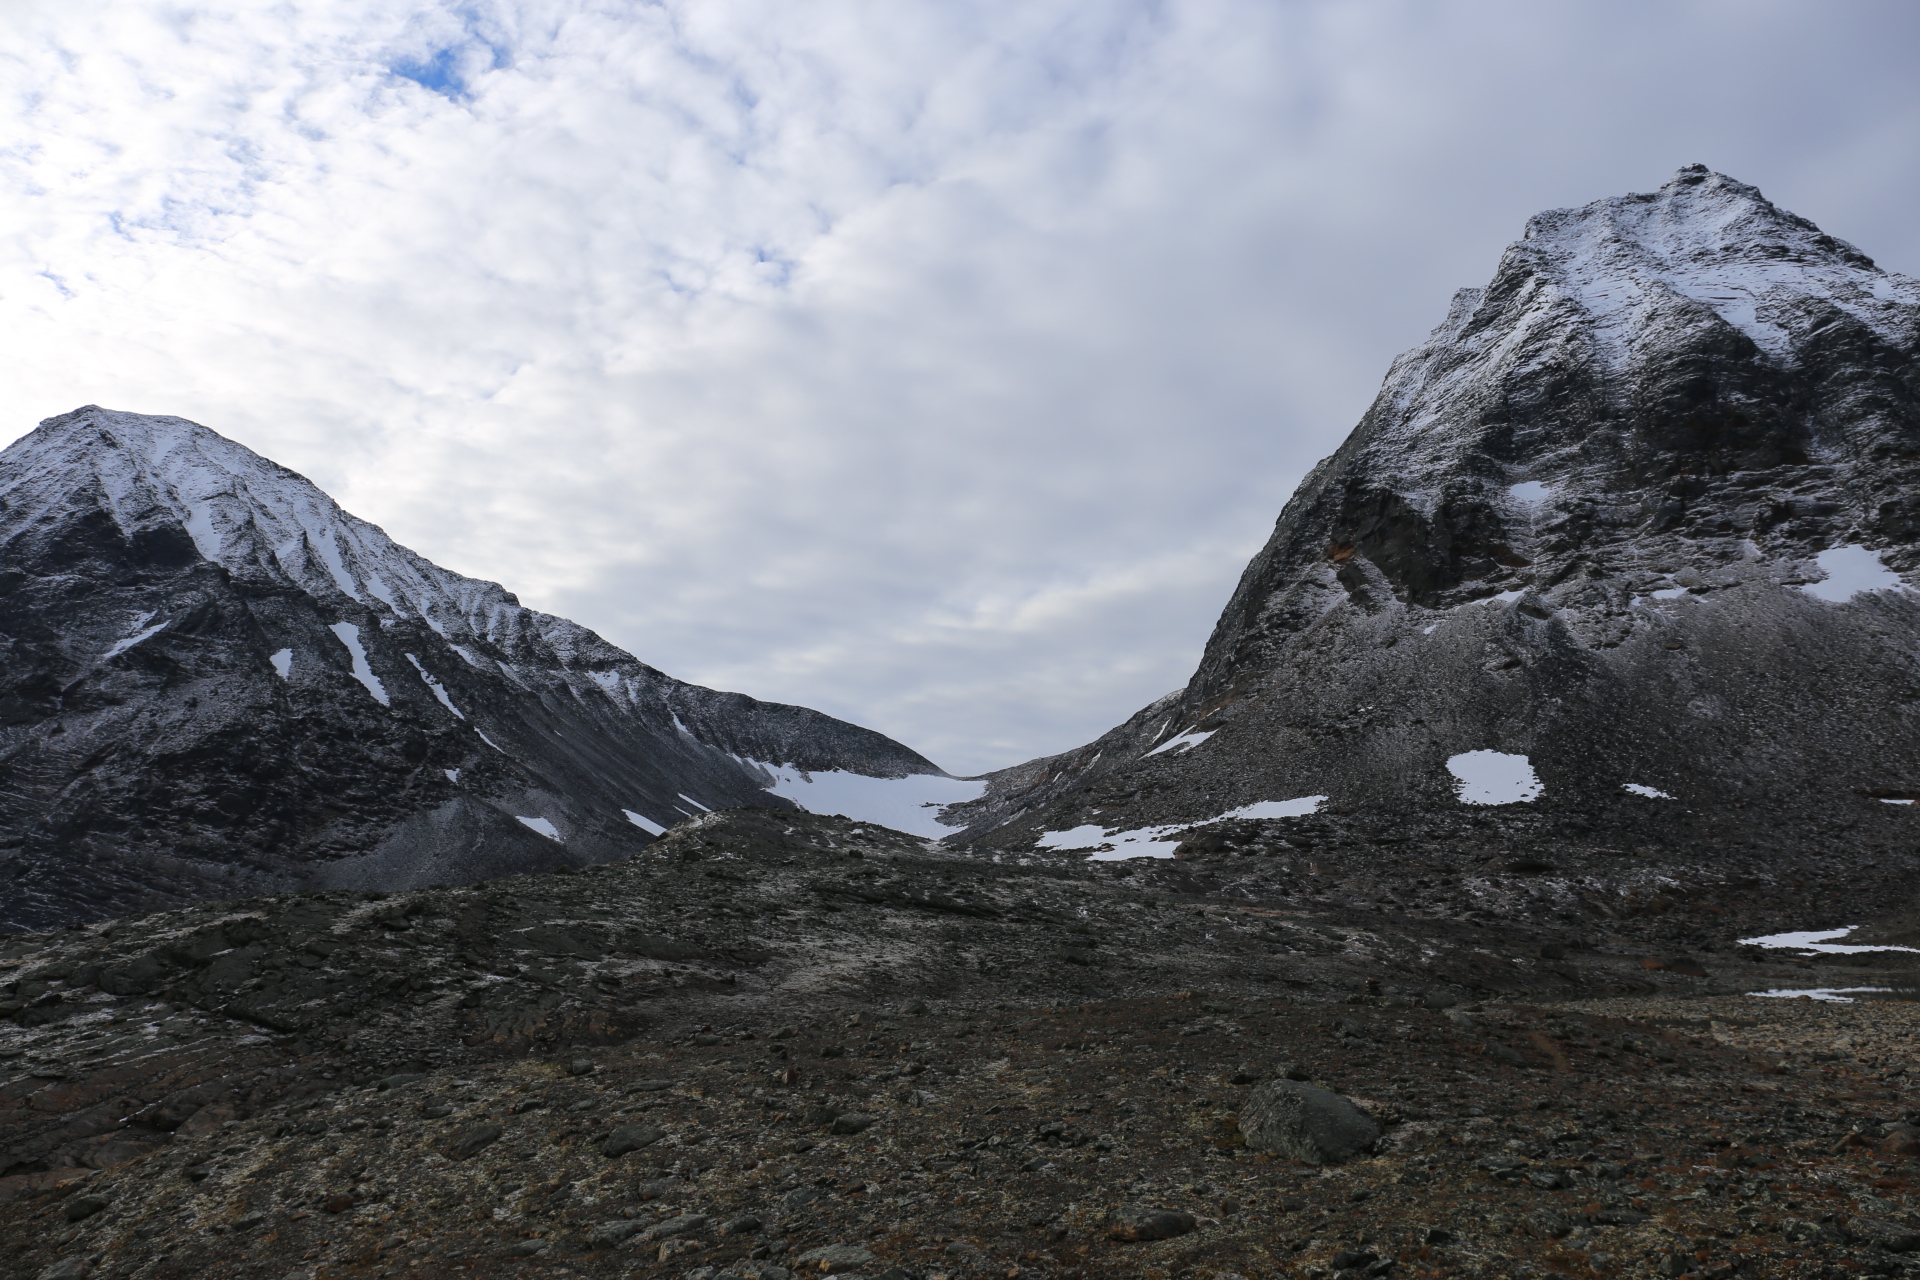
<point x="440" y="73"/>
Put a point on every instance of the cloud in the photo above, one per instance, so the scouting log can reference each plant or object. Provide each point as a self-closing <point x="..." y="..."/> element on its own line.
<point x="937" y="365"/>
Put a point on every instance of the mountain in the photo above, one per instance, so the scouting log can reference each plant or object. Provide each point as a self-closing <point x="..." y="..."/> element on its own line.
<point x="1627" y="541"/>
<point x="214" y="682"/>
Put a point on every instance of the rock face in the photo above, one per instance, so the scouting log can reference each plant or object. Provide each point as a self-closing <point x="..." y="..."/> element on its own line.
<point x="1304" y="1122"/>
<point x="1643" y="511"/>
<point x="214" y="682"/>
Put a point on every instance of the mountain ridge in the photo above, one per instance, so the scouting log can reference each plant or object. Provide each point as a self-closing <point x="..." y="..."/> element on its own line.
<point x="169" y="592"/>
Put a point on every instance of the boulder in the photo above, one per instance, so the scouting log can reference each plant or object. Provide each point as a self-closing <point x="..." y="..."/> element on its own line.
<point x="1884" y="1233"/>
<point x="1135" y="1223"/>
<point x="1305" y="1122"/>
<point x="472" y="1141"/>
<point x="834" y="1258"/>
<point x="631" y="1137"/>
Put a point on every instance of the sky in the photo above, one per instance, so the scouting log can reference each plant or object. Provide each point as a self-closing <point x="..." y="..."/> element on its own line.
<point x="938" y="365"/>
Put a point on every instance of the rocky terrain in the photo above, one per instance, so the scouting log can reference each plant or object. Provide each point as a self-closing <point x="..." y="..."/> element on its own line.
<point x="776" y="1043"/>
<point x="1639" y="516"/>
<point x="215" y="682"/>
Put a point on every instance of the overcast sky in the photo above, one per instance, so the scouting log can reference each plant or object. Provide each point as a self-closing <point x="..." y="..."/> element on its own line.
<point x="935" y="364"/>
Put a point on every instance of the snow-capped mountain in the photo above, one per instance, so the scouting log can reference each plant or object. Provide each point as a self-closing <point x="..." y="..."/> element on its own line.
<point x="213" y="681"/>
<point x="1632" y="532"/>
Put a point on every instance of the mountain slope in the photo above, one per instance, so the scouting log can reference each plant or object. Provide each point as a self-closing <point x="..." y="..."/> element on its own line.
<point x="213" y="681"/>
<point x="1641" y="511"/>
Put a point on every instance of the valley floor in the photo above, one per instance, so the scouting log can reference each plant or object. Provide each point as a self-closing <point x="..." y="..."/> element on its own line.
<point x="779" y="1044"/>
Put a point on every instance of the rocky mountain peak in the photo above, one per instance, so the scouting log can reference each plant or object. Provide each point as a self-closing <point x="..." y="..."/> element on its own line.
<point x="1595" y="524"/>
<point x="213" y="679"/>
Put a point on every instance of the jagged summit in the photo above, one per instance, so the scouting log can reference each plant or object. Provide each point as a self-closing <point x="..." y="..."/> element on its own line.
<point x="177" y="491"/>
<point x="1609" y="518"/>
<point x="1705" y="242"/>
<point x="212" y="677"/>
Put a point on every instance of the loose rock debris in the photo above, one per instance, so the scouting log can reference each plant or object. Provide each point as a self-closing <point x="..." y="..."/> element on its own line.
<point x="692" y="1065"/>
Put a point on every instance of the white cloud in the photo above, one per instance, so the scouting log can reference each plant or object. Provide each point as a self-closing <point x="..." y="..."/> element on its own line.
<point x="937" y="365"/>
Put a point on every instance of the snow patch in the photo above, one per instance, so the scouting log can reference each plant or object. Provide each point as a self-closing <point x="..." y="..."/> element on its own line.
<point x="146" y="633"/>
<point x="1849" y="571"/>
<point x="1833" y="995"/>
<point x="1667" y="593"/>
<point x="1161" y="841"/>
<point x="350" y="637"/>
<point x="911" y="804"/>
<point x="695" y="803"/>
<point x="1531" y="492"/>
<point x="490" y="742"/>
<point x="435" y="685"/>
<point x="1651" y="793"/>
<point x="541" y="825"/>
<point x="1186" y="741"/>
<point x="1884" y="800"/>
<point x="645" y="824"/>
<point x="1298" y="808"/>
<point x="1817" y="940"/>
<point x="453" y="775"/>
<point x="283" y="663"/>
<point x="1493" y="777"/>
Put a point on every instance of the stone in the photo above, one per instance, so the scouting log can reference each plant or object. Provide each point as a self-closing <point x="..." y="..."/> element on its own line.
<point x="1149" y="1224"/>
<point x="832" y="1259"/>
<point x="801" y="1197"/>
<point x="582" y="1067"/>
<point x="631" y="1137"/>
<point x="525" y="1249"/>
<point x="655" y="1189"/>
<point x="338" y="1202"/>
<point x="1305" y="1122"/>
<point x="649" y="1086"/>
<point x="1883" y="1233"/>
<point x="471" y="1141"/>
<point x="611" y="1233"/>
<point x="684" y="1225"/>
<point x="850" y="1123"/>
<point x="744" y="1225"/>
<point x="74" y="1268"/>
<point x="813" y="1117"/>
<point x="81" y="1208"/>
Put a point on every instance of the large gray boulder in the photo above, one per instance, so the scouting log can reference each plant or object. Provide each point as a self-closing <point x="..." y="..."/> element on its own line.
<point x="1305" y="1122"/>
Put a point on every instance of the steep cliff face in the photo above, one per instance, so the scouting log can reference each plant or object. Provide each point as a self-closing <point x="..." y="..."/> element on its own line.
<point x="215" y="681"/>
<point x="1643" y="511"/>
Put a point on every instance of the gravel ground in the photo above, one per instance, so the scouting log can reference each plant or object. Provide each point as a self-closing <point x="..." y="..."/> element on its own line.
<point x="781" y="1046"/>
